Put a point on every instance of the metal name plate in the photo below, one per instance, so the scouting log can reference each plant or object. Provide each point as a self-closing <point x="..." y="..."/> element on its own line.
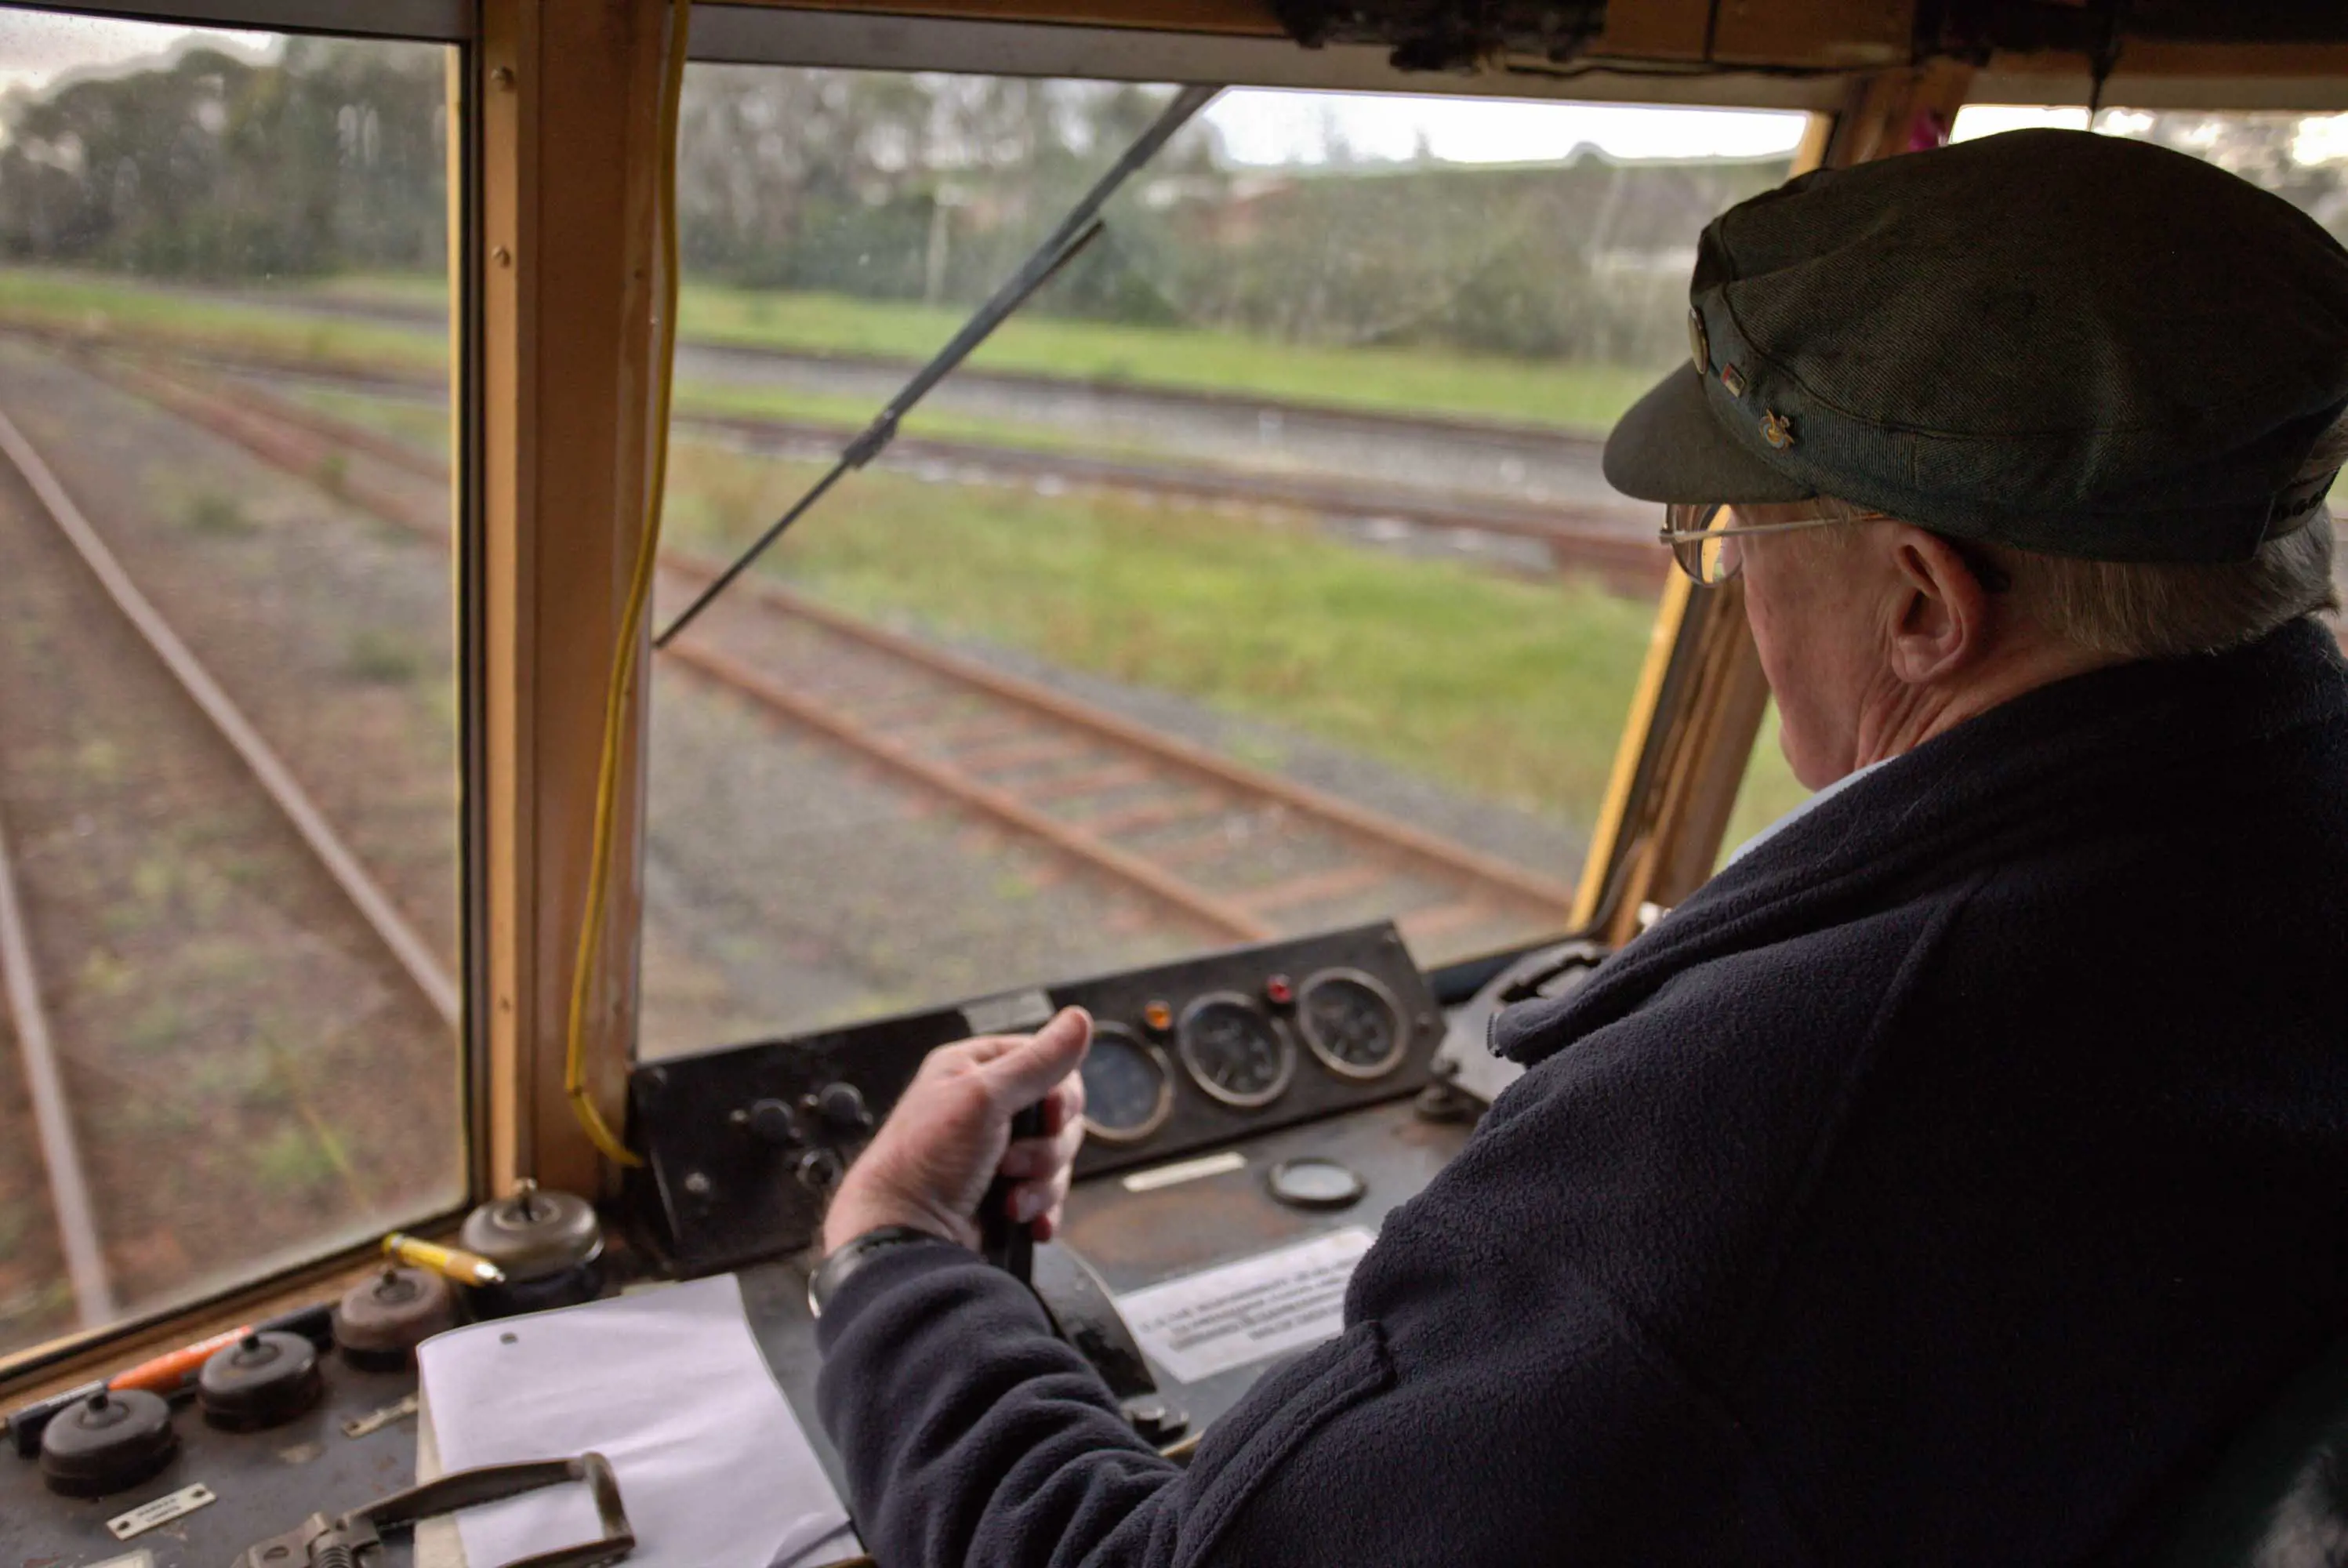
<point x="146" y="1516"/>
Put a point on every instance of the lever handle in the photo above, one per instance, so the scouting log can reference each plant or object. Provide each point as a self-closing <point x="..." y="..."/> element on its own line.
<point x="1008" y="1245"/>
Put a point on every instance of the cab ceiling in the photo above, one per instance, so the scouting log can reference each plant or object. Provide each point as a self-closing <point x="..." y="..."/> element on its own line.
<point x="2158" y="54"/>
<point x="2151" y="54"/>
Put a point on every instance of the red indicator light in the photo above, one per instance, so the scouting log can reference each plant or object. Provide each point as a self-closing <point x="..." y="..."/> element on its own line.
<point x="1158" y="1017"/>
<point x="1278" y="991"/>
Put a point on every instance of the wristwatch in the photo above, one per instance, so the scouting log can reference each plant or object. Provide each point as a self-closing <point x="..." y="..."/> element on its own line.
<point x="854" y="1254"/>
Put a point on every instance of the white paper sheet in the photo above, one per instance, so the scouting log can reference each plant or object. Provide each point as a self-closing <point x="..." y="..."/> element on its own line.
<point x="669" y="1386"/>
<point x="1226" y="1317"/>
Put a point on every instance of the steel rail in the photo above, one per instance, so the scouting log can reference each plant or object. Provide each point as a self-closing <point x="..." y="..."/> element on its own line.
<point x="1387" y="839"/>
<point x="1350" y="418"/>
<point x="1597" y="538"/>
<point x="1393" y="836"/>
<point x="77" y="1237"/>
<point x="1603" y="541"/>
<point x="415" y="957"/>
<point x="1578" y="537"/>
<point x="1223" y="916"/>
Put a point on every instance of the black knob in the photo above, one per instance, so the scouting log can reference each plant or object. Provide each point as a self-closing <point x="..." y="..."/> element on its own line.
<point x="841" y="1106"/>
<point x="772" y="1120"/>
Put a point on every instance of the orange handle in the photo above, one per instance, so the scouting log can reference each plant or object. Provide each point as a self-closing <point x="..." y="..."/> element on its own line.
<point x="169" y="1372"/>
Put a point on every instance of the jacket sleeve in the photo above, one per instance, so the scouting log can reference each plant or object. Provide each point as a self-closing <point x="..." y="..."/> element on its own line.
<point x="1487" y="1403"/>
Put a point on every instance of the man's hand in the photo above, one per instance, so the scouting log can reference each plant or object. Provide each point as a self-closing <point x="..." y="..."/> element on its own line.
<point x="932" y="1161"/>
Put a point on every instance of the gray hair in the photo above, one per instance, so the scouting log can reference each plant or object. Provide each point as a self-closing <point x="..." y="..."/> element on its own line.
<point x="2136" y="610"/>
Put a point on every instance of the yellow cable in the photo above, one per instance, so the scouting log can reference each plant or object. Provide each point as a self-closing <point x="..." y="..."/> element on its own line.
<point x="632" y="625"/>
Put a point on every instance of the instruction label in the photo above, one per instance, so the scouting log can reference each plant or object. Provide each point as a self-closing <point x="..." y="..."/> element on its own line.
<point x="1228" y="1315"/>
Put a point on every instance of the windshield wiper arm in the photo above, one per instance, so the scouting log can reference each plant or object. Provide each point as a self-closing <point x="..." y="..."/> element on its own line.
<point x="1079" y="229"/>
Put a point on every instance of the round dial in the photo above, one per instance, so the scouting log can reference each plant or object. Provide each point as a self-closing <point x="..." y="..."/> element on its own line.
<point x="1313" y="1183"/>
<point x="1128" y="1087"/>
<point x="1352" y="1023"/>
<point x="1235" y="1052"/>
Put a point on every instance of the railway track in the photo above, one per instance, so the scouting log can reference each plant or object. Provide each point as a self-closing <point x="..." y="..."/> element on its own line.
<point x="1612" y="544"/>
<point x="54" y="1050"/>
<point x="1240" y="853"/>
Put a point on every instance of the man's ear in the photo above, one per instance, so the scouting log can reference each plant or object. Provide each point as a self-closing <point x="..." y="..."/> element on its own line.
<point x="1940" y="621"/>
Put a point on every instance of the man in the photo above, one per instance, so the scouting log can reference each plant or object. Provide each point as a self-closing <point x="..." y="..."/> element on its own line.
<point x="1955" y="1174"/>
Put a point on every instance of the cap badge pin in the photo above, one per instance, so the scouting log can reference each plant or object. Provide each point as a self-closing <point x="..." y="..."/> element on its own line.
<point x="1734" y="379"/>
<point x="1697" y="345"/>
<point x="1775" y="429"/>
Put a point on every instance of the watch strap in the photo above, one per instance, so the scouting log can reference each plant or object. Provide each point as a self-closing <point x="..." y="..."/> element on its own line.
<point x="854" y="1254"/>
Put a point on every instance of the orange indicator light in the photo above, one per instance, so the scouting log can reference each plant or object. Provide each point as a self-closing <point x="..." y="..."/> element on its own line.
<point x="1158" y="1017"/>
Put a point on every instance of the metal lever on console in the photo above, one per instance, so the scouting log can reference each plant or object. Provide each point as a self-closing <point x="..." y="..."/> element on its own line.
<point x="347" y="1541"/>
<point x="1085" y="1314"/>
<point x="1009" y="1245"/>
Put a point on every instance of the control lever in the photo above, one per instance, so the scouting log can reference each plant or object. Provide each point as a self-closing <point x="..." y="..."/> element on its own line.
<point x="1008" y="1244"/>
<point x="1077" y="1301"/>
<point x="1084" y="1313"/>
<point x="354" y="1538"/>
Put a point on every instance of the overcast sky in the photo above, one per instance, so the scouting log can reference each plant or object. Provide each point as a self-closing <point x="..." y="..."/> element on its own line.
<point x="36" y="47"/>
<point x="1258" y="125"/>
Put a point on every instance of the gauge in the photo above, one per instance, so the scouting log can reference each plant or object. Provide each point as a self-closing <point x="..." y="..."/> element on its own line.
<point x="1128" y="1087"/>
<point x="1313" y="1183"/>
<point x="1352" y="1023"/>
<point x="1234" y="1051"/>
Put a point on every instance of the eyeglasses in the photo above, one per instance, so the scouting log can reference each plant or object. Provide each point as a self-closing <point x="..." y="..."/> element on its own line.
<point x="1698" y="538"/>
<point x="1700" y="545"/>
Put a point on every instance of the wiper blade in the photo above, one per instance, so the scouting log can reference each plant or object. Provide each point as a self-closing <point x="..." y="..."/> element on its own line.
<point x="1079" y="229"/>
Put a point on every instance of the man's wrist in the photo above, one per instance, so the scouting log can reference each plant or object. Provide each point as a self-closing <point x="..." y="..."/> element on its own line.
<point x="856" y="1210"/>
<point x="855" y="1252"/>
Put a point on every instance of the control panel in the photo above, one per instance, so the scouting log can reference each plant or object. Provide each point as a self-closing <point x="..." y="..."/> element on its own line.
<point x="744" y="1144"/>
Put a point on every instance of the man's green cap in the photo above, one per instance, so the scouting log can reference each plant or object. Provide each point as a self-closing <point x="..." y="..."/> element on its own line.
<point x="2074" y="343"/>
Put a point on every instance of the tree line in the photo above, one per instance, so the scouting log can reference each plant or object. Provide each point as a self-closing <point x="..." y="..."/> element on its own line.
<point x="330" y="156"/>
<point x="212" y="165"/>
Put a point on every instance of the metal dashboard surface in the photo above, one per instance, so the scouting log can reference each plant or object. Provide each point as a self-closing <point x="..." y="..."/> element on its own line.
<point x="265" y="1482"/>
<point x="742" y="1145"/>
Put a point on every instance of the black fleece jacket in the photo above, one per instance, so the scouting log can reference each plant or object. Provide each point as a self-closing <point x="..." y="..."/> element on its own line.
<point x="1942" y="1183"/>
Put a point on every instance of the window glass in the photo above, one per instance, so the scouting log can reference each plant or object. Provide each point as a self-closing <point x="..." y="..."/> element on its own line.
<point x="228" y="741"/>
<point x="1257" y="579"/>
<point x="2302" y="157"/>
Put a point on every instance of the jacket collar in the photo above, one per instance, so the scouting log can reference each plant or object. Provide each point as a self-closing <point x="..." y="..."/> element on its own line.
<point x="1972" y="796"/>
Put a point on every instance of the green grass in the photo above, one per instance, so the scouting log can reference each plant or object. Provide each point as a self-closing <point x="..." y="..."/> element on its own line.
<point x="291" y="1160"/>
<point x="99" y="306"/>
<point x="850" y="415"/>
<point x="1507" y="689"/>
<point x="424" y="426"/>
<point x="208" y="511"/>
<point x="1385" y="379"/>
<point x="1397" y="380"/>
<point x="379" y="658"/>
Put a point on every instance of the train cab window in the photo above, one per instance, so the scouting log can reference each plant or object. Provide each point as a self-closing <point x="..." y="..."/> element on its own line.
<point x="229" y="896"/>
<point x="1256" y="579"/>
<point x="2302" y="158"/>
